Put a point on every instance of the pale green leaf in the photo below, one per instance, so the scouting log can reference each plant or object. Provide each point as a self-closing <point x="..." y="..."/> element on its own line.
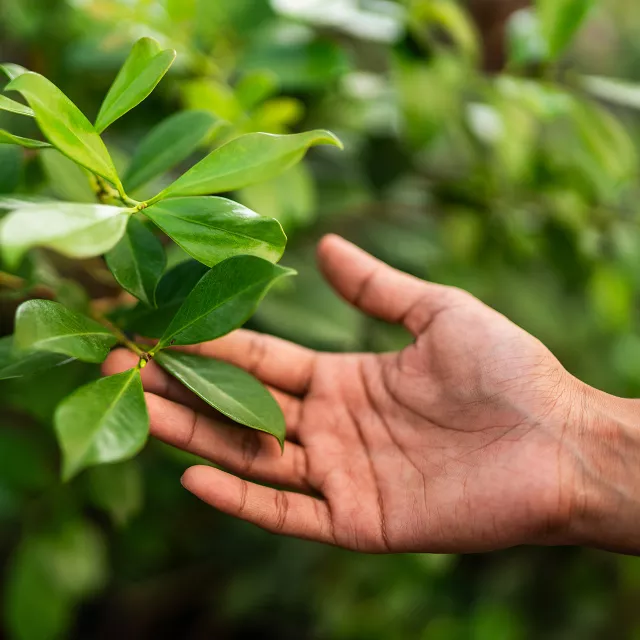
<point x="613" y="90"/>
<point x="75" y="230"/>
<point x="67" y="180"/>
<point x="223" y="300"/>
<point x="64" y="125"/>
<point x="228" y="389"/>
<point x="212" y="229"/>
<point x="44" y="325"/>
<point x="102" y="422"/>
<point x="138" y="77"/>
<point x="246" y="160"/>
<point x="7" y="104"/>
<point x="12" y="71"/>
<point x="28" y="143"/>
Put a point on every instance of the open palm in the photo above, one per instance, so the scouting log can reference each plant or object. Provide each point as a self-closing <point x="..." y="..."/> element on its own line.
<point x="453" y="444"/>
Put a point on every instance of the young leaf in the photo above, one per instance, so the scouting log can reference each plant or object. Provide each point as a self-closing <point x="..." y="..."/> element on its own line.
<point x="212" y="229"/>
<point x="28" y="143"/>
<point x="12" y="71"/>
<point x="560" y="21"/>
<point x="7" y="104"/>
<point x="223" y="300"/>
<point x="172" y="291"/>
<point x="16" y="365"/>
<point x="43" y="325"/>
<point x="168" y="144"/>
<point x="64" y="125"/>
<point x="75" y="230"/>
<point x="138" y="77"/>
<point x="228" y="389"/>
<point x="104" y="421"/>
<point x="245" y="160"/>
<point x="67" y="180"/>
<point x="138" y="261"/>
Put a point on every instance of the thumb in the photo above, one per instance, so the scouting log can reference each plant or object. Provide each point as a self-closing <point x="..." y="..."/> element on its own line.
<point x="378" y="289"/>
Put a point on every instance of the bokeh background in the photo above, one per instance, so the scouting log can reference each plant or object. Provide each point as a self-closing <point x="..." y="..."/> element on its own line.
<point x="473" y="158"/>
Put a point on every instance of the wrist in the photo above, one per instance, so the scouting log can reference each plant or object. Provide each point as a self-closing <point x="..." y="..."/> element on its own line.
<point x="602" y="436"/>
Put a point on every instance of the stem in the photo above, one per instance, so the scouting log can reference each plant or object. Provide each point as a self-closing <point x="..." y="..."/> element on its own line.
<point x="122" y="338"/>
<point x="17" y="283"/>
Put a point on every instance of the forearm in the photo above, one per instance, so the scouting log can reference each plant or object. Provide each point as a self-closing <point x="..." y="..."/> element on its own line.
<point x="603" y="435"/>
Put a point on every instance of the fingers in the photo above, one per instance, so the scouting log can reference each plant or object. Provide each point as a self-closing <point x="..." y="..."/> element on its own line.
<point x="276" y="362"/>
<point x="376" y="288"/>
<point x="241" y="450"/>
<point x="276" y="511"/>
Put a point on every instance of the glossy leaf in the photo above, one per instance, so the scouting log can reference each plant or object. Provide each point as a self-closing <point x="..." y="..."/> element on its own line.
<point x="7" y="104"/>
<point x="15" y="364"/>
<point x="245" y="160"/>
<point x="138" y="77"/>
<point x="560" y="21"/>
<point x="228" y="389"/>
<point x="67" y="180"/>
<point x="102" y="422"/>
<point x="172" y="291"/>
<point x="212" y="229"/>
<point x="43" y="325"/>
<point x="64" y="124"/>
<point x="167" y="145"/>
<point x="28" y="143"/>
<point x="138" y="261"/>
<point x="223" y="300"/>
<point x="75" y="230"/>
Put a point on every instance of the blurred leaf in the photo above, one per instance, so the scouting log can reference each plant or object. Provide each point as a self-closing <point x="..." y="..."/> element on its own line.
<point x="28" y="143"/>
<point x="612" y="298"/>
<point x="64" y="125"/>
<point x="229" y="390"/>
<point x="23" y="462"/>
<point x="526" y="43"/>
<point x="246" y="160"/>
<point x="223" y="300"/>
<point x="560" y="21"/>
<point x="212" y="229"/>
<point x="138" y="261"/>
<point x="16" y="365"/>
<point x="277" y="115"/>
<point x="117" y="489"/>
<point x="138" y="77"/>
<point x="255" y="87"/>
<point x="102" y="422"/>
<point x="11" y="161"/>
<point x="7" y="104"/>
<point x="67" y="180"/>
<point x="167" y="145"/>
<point x="42" y="325"/>
<point x="613" y="90"/>
<point x="75" y="230"/>
<point x="215" y="97"/>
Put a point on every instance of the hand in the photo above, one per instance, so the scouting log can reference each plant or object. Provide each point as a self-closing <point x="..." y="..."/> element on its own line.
<point x="471" y="439"/>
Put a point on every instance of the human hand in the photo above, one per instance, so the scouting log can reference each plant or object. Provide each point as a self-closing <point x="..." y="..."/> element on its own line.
<point x="473" y="438"/>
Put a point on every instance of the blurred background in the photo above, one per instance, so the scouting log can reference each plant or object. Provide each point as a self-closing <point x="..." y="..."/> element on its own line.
<point x="490" y="144"/>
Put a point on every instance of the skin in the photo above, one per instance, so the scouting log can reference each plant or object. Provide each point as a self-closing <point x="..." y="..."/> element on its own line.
<point x="473" y="438"/>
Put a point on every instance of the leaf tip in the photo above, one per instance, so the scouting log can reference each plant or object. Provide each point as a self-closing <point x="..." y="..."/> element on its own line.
<point x="326" y="137"/>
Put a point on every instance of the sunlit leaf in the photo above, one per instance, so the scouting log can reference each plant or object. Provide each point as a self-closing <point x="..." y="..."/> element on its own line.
<point x="137" y="262"/>
<point x="211" y="229"/>
<point x="561" y="20"/>
<point x="28" y="143"/>
<point x="138" y="77"/>
<point x="44" y="325"/>
<point x="167" y="145"/>
<point x="223" y="300"/>
<point x="102" y="422"/>
<point x="246" y="160"/>
<point x="228" y="389"/>
<point x="64" y="124"/>
<point x="75" y="230"/>
<point x="11" y="70"/>
<point x="7" y="104"/>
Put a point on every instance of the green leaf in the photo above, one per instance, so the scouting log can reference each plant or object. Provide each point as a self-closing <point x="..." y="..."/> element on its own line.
<point x="138" y="77"/>
<point x="138" y="261"/>
<point x="28" y="143"/>
<point x="613" y="90"/>
<point x="67" y="180"/>
<point x="64" y="125"/>
<point x="75" y="230"/>
<point x="223" y="300"/>
<point x="172" y="291"/>
<point x="228" y="389"/>
<point x="526" y="43"/>
<point x="117" y="489"/>
<point x="43" y="325"/>
<point x="255" y="87"/>
<point x="245" y="160"/>
<point x="16" y="365"/>
<point x="7" y="104"/>
<point x="212" y="229"/>
<point x="102" y="422"/>
<point x="12" y="71"/>
<point x="167" y="145"/>
<point x="11" y="161"/>
<point x="561" y="20"/>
